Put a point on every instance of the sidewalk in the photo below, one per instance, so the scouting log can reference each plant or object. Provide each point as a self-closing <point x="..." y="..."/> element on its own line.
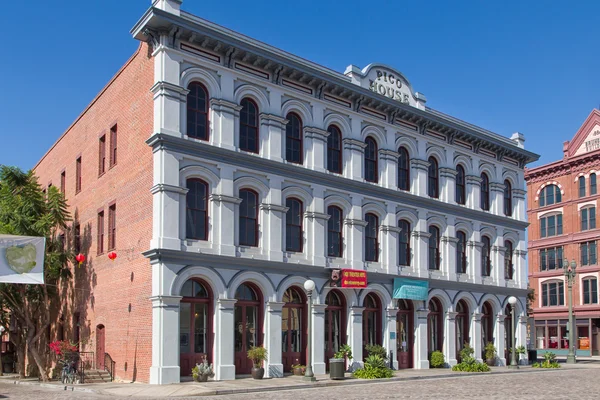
<point x="249" y="385"/>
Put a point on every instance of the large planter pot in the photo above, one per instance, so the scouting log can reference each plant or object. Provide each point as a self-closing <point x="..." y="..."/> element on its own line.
<point x="299" y="371"/>
<point x="7" y="367"/>
<point x="491" y="362"/>
<point x="258" y="373"/>
<point x="532" y="356"/>
<point x="337" y="367"/>
<point x="201" y="378"/>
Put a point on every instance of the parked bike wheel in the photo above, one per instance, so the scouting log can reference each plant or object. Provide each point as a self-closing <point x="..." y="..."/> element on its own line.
<point x="64" y="377"/>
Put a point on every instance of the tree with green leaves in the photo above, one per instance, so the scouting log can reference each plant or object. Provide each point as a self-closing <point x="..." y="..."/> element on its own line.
<point x="26" y="210"/>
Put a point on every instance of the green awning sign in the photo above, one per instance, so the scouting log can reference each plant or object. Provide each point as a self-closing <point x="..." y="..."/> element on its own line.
<point x="410" y="289"/>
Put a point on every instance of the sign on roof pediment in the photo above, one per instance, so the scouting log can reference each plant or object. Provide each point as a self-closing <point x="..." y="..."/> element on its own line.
<point x="587" y="138"/>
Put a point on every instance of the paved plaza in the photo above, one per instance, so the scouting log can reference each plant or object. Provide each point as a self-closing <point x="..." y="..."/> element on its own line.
<point x="567" y="383"/>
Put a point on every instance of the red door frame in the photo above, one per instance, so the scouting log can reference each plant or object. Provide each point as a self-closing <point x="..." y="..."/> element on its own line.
<point x="288" y="358"/>
<point x="188" y="360"/>
<point x="243" y="365"/>
<point x="464" y="316"/>
<point x="440" y="326"/>
<point x="328" y="315"/>
<point x="377" y="311"/>
<point x="100" y="346"/>
<point x="405" y="359"/>
<point x="487" y="321"/>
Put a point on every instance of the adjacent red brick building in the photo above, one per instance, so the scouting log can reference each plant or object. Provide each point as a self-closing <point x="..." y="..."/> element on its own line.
<point x="562" y="200"/>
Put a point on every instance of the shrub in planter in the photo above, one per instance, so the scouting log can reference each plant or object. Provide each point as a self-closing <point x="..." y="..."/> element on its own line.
<point x="201" y="372"/>
<point x="257" y="355"/>
<point x="469" y="363"/>
<point x="298" y="369"/>
<point x="375" y="368"/>
<point x="490" y="354"/>
<point x="376" y="350"/>
<point x="437" y="360"/>
<point x="549" y="361"/>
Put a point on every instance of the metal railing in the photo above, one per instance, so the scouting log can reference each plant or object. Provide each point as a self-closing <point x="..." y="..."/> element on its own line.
<point x="86" y="362"/>
<point x="109" y="366"/>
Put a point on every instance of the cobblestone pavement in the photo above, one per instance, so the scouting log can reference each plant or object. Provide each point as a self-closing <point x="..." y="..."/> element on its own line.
<point x="556" y="384"/>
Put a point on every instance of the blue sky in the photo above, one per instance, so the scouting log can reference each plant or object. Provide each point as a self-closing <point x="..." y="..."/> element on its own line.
<point x="528" y="66"/>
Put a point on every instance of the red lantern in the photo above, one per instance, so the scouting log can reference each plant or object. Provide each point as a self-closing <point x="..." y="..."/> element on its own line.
<point x="112" y="255"/>
<point x="80" y="258"/>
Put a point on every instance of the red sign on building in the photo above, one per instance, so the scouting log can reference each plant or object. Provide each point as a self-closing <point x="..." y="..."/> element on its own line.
<point x="348" y="278"/>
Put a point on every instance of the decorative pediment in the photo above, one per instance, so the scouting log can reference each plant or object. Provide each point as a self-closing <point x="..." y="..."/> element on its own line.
<point x="587" y="138"/>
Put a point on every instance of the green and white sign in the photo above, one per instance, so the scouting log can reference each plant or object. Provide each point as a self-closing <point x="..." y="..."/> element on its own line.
<point x="410" y="289"/>
<point x="22" y="259"/>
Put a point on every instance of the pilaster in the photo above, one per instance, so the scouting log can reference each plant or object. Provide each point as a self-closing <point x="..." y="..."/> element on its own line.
<point x="165" y="340"/>
<point x="450" y="338"/>
<point x="419" y="172"/>
<point x="316" y="148"/>
<point x="389" y="168"/>
<point x="271" y="143"/>
<point x="356" y="336"/>
<point x="390" y="336"/>
<point x="273" y="365"/>
<point x="225" y="114"/>
<point x="224" y="326"/>
<point x="318" y="345"/>
<point x="476" y="338"/>
<point x="354" y="151"/>
<point x="224" y="211"/>
<point x="315" y="233"/>
<point x="473" y="192"/>
<point x="421" y="334"/>
<point x="448" y="185"/>
<point x="497" y="198"/>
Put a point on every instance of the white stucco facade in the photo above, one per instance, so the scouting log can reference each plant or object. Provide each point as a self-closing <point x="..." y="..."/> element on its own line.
<point x="232" y="67"/>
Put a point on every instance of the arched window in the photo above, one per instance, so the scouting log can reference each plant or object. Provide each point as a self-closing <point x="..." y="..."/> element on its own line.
<point x="461" y="193"/>
<point x="588" y="218"/>
<point x="293" y="225"/>
<point x="195" y="323"/>
<point x="487" y="327"/>
<point x="590" y="290"/>
<point x="371" y="244"/>
<point x="371" y="321"/>
<point x="197" y="111"/>
<point x="461" y="252"/>
<point x="508" y="260"/>
<point x="334" y="149"/>
<point x="371" y="173"/>
<point x="485" y="192"/>
<point x="334" y="232"/>
<point x="248" y="322"/>
<point x="582" y="186"/>
<point x="433" y="189"/>
<point x="403" y="169"/>
<point x="434" y="248"/>
<point x="249" y="126"/>
<point x="335" y="323"/>
<point x="461" y="326"/>
<point x="486" y="260"/>
<point x="293" y="328"/>
<point x="293" y="139"/>
<point x="553" y="293"/>
<point x="435" y="327"/>
<point x="404" y="239"/>
<point x="248" y="224"/>
<point x="550" y="195"/>
<point x="196" y="210"/>
<point x="593" y="187"/>
<point x="508" y="208"/>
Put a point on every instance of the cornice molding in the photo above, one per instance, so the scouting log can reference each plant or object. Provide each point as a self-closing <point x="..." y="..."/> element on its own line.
<point x="222" y="198"/>
<point x="163" y="187"/>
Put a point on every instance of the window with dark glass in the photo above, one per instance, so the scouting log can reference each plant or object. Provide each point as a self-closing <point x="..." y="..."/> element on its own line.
<point x="112" y="227"/>
<point x="113" y="146"/>
<point x="334" y="149"/>
<point x="508" y="208"/>
<point x="76" y="238"/>
<point x="197" y="111"/>
<point x="553" y="294"/>
<point x="508" y="260"/>
<point x="404" y="239"/>
<point x="485" y="192"/>
<point x="590" y="291"/>
<point x="196" y="212"/>
<point x="550" y="195"/>
<point x="551" y="258"/>
<point x="588" y="218"/>
<point x="63" y="181"/>
<point x="102" y="155"/>
<point x="100" y="232"/>
<point x="371" y="244"/>
<point x="551" y="225"/>
<point x="78" y="175"/>
<point x="249" y="126"/>
<point x="588" y="253"/>
<point x="461" y="194"/>
<point x="293" y="225"/>
<point x="461" y="252"/>
<point x="403" y="169"/>
<point x="593" y="188"/>
<point x="433" y="189"/>
<point x="293" y="139"/>
<point x="434" y="248"/>
<point x="334" y="231"/>
<point x="582" y="186"/>
<point x="486" y="259"/>
<point x="248" y="225"/>
<point x="371" y="173"/>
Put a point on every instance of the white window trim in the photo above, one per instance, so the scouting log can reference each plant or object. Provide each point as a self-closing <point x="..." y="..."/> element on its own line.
<point x="581" y="278"/>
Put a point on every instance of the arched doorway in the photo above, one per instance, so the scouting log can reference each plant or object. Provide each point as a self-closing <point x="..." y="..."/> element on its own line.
<point x="508" y="332"/>
<point x="293" y="328"/>
<point x="405" y="334"/>
<point x="195" y="325"/>
<point x="372" y="331"/>
<point x="248" y="325"/>
<point x="487" y="327"/>
<point x="100" y="346"/>
<point x="462" y="327"/>
<point x="435" y="326"/>
<point x="335" y="324"/>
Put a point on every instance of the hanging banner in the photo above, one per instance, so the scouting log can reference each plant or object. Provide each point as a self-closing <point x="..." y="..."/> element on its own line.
<point x="348" y="278"/>
<point x="410" y="289"/>
<point x="22" y="259"/>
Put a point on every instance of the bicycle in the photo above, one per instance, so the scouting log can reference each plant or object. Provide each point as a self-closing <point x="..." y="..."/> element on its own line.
<point x="68" y="374"/>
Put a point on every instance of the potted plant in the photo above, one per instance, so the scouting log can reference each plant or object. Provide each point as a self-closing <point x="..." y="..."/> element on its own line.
<point x="521" y="352"/>
<point x="201" y="372"/>
<point x="298" y="369"/>
<point x="257" y="354"/>
<point x="337" y="364"/>
<point x="490" y="354"/>
<point x="437" y="359"/>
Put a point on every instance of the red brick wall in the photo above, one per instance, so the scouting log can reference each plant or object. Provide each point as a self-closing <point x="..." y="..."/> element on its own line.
<point x="103" y="290"/>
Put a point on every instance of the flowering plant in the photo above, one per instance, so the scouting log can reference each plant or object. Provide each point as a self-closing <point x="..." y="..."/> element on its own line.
<point x="62" y="347"/>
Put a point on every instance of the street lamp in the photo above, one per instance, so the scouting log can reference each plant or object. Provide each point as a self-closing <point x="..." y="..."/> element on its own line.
<point x="512" y="300"/>
<point x="309" y="286"/>
<point x="570" y="271"/>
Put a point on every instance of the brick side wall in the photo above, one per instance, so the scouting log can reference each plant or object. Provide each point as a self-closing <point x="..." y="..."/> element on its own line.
<point x="113" y="294"/>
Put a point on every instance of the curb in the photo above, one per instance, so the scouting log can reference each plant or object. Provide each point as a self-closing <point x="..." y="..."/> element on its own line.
<point x="57" y="387"/>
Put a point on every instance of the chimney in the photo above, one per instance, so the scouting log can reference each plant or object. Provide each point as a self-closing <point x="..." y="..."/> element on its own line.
<point x="171" y="6"/>
<point x="519" y="139"/>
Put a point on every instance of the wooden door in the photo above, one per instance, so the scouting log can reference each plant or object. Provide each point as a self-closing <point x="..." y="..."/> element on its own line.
<point x="100" y="346"/>
<point x="404" y="334"/>
<point x="335" y="324"/>
<point x="293" y="331"/>
<point x="248" y="320"/>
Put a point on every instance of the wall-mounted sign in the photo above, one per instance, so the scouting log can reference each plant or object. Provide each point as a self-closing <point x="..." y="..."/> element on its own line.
<point x="348" y="278"/>
<point x="410" y="289"/>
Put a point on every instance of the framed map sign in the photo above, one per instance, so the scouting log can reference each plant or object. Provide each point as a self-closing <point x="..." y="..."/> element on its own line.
<point x="410" y="289"/>
<point x="22" y="259"/>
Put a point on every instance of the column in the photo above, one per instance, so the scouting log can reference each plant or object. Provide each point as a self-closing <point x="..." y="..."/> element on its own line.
<point x="498" y="266"/>
<point x="389" y="248"/>
<point x="450" y="338"/>
<point x="521" y="338"/>
<point x="497" y="198"/>
<point x="169" y="97"/>
<point x="166" y="200"/>
<point x="473" y="192"/>
<point x="449" y="261"/>
<point x="225" y="203"/>
<point x="315" y="150"/>
<point x="272" y="230"/>
<point x="165" y="340"/>
<point x="316" y="234"/>
<point x="520" y="271"/>
<point x="499" y="338"/>
<point x="354" y="151"/>
<point x="318" y="344"/>
<point x="225" y="114"/>
<point x="355" y="226"/>
<point x="476" y="338"/>
<point x="420" y="347"/>
<point x="420" y="245"/>
<point x="519" y="204"/>
<point x="448" y="185"/>
<point x="272" y="136"/>
<point x="390" y="336"/>
<point x="224" y="348"/>
<point x="419" y="176"/>
<point x="389" y="168"/>
<point x="355" y="339"/>
<point x="273" y="365"/>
